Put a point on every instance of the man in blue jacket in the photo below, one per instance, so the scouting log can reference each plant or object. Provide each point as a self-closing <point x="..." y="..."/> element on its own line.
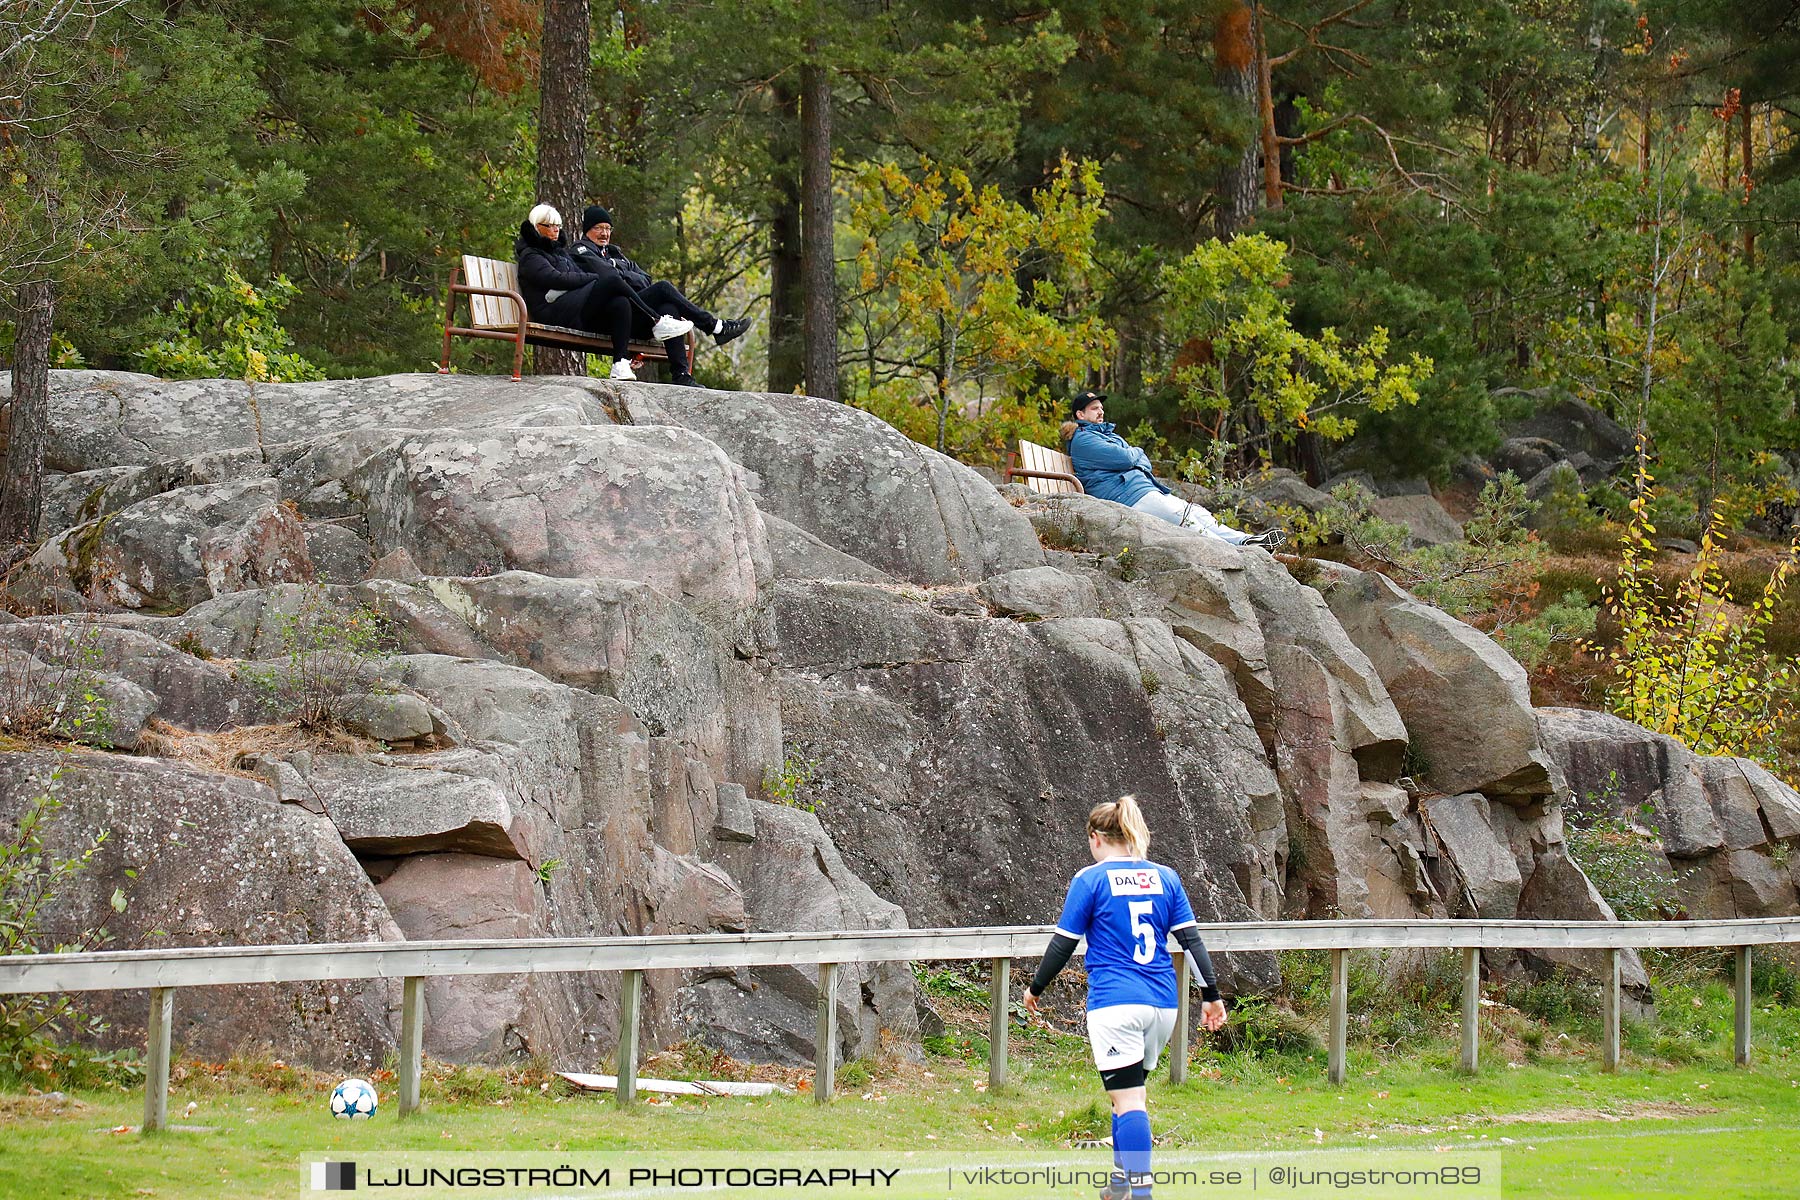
<point x="1110" y="468"/>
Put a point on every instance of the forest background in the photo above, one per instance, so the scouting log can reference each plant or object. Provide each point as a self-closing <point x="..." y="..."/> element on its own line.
<point x="1319" y="234"/>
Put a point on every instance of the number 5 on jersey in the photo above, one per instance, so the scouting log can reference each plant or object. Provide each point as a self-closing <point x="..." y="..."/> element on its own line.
<point x="1145" y="950"/>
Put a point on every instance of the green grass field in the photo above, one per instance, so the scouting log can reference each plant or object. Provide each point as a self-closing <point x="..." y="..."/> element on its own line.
<point x="1679" y="1120"/>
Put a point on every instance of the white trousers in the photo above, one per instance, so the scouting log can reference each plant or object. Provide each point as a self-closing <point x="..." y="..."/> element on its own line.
<point x="1176" y="511"/>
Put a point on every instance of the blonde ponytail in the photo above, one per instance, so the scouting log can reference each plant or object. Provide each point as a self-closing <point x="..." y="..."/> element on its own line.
<point x="1122" y="822"/>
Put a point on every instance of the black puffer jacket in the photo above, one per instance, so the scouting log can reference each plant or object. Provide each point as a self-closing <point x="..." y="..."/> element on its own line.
<point x="546" y="269"/>
<point x="598" y="259"/>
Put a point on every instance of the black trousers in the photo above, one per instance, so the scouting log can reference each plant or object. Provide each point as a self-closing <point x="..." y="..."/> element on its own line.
<point x="667" y="301"/>
<point x="603" y="306"/>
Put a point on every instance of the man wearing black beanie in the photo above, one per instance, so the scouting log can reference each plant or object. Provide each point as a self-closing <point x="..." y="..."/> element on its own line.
<point x="596" y="254"/>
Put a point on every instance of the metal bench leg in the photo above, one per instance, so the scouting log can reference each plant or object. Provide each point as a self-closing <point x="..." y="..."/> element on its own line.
<point x="449" y="319"/>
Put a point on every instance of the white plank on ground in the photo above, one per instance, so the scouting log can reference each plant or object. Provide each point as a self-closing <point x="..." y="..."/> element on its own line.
<point x="676" y="1087"/>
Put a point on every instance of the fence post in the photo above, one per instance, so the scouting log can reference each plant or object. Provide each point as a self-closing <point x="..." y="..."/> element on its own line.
<point x="1340" y="1013"/>
<point x="1609" y="1034"/>
<point x="1744" y="999"/>
<point x="1178" y="1045"/>
<point x="1471" y="1014"/>
<point x="631" y="996"/>
<point x="412" y="1041"/>
<point x="999" y="1009"/>
<point x="825" y="1040"/>
<point x="156" y="1070"/>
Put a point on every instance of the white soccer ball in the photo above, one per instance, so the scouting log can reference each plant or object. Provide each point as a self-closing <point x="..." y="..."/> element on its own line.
<point x="353" y="1100"/>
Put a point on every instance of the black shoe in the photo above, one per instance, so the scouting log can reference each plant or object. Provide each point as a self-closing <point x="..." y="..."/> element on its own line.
<point x="1268" y="539"/>
<point x="1116" y="1189"/>
<point x="733" y="330"/>
<point x="683" y="381"/>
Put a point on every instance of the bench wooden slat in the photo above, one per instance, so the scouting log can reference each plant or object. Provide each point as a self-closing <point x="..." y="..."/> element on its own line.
<point x="1037" y="461"/>
<point x="491" y="312"/>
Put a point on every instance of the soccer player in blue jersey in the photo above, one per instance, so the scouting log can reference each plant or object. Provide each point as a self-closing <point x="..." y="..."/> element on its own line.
<point x="1126" y="907"/>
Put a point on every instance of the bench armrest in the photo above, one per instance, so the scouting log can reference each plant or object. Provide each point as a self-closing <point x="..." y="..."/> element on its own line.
<point x="465" y="289"/>
<point x="1062" y="475"/>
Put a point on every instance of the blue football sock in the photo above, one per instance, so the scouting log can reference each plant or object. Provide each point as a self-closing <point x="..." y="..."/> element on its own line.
<point x="1131" y="1142"/>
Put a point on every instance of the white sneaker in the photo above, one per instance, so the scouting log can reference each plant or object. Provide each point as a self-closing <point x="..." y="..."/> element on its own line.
<point x="621" y="369"/>
<point x="671" y="327"/>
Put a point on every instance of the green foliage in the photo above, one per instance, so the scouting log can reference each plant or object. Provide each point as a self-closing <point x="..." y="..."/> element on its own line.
<point x="1063" y="532"/>
<point x="977" y="432"/>
<point x="1309" y="530"/>
<point x="189" y="641"/>
<point x="33" y="1026"/>
<point x="1721" y="385"/>
<point x="1359" y="263"/>
<point x="953" y="981"/>
<point x="1566" y="177"/>
<point x="1563" y="626"/>
<point x="1684" y="664"/>
<point x="941" y="267"/>
<point x="230" y="330"/>
<point x="789" y="783"/>
<point x="58" y="693"/>
<point x="1565" y="511"/>
<point x="1561" y="998"/>
<point x="1624" y="862"/>
<point x="327" y="143"/>
<point x="328" y="654"/>
<point x="1623" y="865"/>
<point x="1261" y="1027"/>
<point x="1396" y="999"/>
<point x="855" y="1074"/>
<point x="1488" y="572"/>
<point x="1262" y="373"/>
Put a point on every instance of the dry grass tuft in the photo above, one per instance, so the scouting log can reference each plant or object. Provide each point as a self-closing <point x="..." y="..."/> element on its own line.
<point x="40" y="1106"/>
<point x="227" y="749"/>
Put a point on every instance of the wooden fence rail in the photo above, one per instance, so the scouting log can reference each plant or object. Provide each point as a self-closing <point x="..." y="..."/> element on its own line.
<point x="164" y="971"/>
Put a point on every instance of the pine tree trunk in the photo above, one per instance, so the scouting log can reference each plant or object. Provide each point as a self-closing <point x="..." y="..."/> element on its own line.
<point x="22" y="489"/>
<point x="1749" y="178"/>
<point x="563" y="98"/>
<point x="1234" y="69"/>
<point x="1268" y="141"/>
<point x="817" y="230"/>
<point x="787" y="285"/>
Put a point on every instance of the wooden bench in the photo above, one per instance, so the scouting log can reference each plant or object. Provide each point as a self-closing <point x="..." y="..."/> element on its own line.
<point x="1045" y="471"/>
<point x="497" y="313"/>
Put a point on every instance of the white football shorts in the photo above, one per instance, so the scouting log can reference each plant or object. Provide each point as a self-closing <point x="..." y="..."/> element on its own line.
<point x="1121" y="1034"/>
